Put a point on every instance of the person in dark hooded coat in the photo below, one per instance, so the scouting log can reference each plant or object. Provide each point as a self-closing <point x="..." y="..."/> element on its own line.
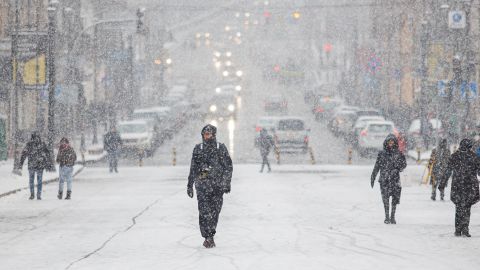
<point x="211" y="172"/>
<point x="390" y="162"/>
<point x="439" y="161"/>
<point x="265" y="143"/>
<point x="464" y="167"/>
<point x="39" y="159"/>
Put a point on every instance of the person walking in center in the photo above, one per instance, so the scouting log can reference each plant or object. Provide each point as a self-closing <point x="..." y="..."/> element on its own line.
<point x="39" y="159"/>
<point x="265" y="143"/>
<point x="112" y="144"/>
<point x="464" y="167"/>
<point x="439" y="160"/>
<point x="211" y="172"/>
<point x="390" y="162"/>
<point x="66" y="158"/>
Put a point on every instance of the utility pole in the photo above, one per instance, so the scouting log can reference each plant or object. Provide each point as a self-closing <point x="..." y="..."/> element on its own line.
<point x="52" y="12"/>
<point x="95" y="84"/>
<point x="14" y="112"/>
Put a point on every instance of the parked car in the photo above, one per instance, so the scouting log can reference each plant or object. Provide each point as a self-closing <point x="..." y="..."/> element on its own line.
<point x="276" y="104"/>
<point x="360" y="124"/>
<point x="137" y="137"/>
<point x="267" y="122"/>
<point x="414" y="136"/>
<point x="343" y="122"/>
<point x="291" y="135"/>
<point x="373" y="135"/>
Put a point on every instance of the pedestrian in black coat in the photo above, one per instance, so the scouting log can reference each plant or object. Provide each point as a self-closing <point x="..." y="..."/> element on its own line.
<point x="112" y="144"/>
<point x="439" y="161"/>
<point x="390" y="162"/>
<point x="39" y="159"/>
<point x="464" y="166"/>
<point x="211" y="172"/>
<point x="265" y="143"/>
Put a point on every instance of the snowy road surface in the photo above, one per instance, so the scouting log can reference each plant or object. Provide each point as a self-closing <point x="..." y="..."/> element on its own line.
<point x="299" y="217"/>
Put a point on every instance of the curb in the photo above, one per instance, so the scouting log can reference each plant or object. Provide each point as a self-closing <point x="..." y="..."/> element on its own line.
<point x="43" y="183"/>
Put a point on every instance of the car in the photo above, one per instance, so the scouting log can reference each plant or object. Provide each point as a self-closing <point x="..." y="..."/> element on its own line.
<point x="228" y="88"/>
<point x="343" y="122"/>
<point x="267" y="122"/>
<point x="368" y="112"/>
<point x="324" y="107"/>
<point x="137" y="137"/>
<point x="276" y="104"/>
<point x="223" y="105"/>
<point x="360" y="124"/>
<point x="291" y="134"/>
<point x="414" y="136"/>
<point x="159" y="118"/>
<point x="372" y="136"/>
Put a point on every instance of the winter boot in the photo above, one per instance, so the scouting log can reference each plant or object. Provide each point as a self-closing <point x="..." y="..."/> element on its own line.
<point x="458" y="233"/>
<point x="433" y="197"/>
<point x="60" y="195"/>
<point x="387" y="213"/>
<point x="31" y="196"/>
<point x="392" y="220"/>
<point x="209" y="243"/>
<point x="69" y="194"/>
<point x="466" y="234"/>
<point x="39" y="197"/>
<point x="392" y="215"/>
<point x="442" y="194"/>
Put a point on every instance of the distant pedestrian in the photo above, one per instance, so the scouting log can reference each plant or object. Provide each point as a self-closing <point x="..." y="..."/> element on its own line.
<point x="464" y="167"/>
<point x="390" y="162"/>
<point x="112" y="144"/>
<point x="438" y="165"/>
<point x="265" y="143"/>
<point x="211" y="172"/>
<point x="39" y="159"/>
<point x="66" y="158"/>
<point x="402" y="144"/>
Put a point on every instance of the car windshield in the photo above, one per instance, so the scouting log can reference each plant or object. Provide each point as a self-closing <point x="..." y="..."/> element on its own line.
<point x="380" y="128"/>
<point x="132" y="128"/>
<point x="291" y="125"/>
<point x="266" y="122"/>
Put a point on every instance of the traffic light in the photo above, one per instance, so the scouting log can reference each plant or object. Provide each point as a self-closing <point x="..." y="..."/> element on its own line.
<point x="140" y="17"/>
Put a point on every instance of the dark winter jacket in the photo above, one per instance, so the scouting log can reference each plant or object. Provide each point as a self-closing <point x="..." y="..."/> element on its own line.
<point x="440" y="159"/>
<point x="36" y="151"/>
<point x="112" y="141"/>
<point x="211" y="164"/>
<point x="464" y="167"/>
<point x="66" y="155"/>
<point x="390" y="162"/>
<point x="265" y="142"/>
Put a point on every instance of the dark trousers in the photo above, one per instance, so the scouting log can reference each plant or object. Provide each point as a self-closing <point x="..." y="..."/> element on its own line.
<point x="209" y="206"/>
<point x="265" y="162"/>
<point x="462" y="218"/>
<point x="112" y="160"/>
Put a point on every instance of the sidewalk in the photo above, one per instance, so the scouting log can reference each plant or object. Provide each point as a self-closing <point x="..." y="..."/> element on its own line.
<point x="11" y="183"/>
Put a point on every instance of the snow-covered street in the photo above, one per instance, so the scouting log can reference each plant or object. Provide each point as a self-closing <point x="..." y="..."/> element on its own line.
<point x="298" y="217"/>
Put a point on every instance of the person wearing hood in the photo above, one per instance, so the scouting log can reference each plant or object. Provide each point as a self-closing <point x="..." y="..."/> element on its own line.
<point x="112" y="142"/>
<point x="39" y="159"/>
<point x="463" y="166"/>
<point x="439" y="161"/>
<point x="211" y="172"/>
<point x="66" y="158"/>
<point x="265" y="143"/>
<point x="390" y="162"/>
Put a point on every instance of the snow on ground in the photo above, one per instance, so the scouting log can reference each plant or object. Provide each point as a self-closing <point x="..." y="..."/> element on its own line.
<point x="298" y="217"/>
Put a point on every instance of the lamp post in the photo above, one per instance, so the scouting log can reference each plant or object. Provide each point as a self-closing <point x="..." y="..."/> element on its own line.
<point x="52" y="24"/>
<point x="15" y="88"/>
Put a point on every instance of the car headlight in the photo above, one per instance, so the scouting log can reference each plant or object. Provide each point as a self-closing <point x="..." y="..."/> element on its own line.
<point x="218" y="90"/>
<point x="228" y="54"/>
<point x="239" y="73"/>
<point x="213" y="108"/>
<point x="238" y="88"/>
<point x="225" y="73"/>
<point x="231" y="107"/>
<point x="228" y="63"/>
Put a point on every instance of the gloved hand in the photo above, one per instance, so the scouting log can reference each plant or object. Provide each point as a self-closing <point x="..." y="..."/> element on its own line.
<point x="190" y="192"/>
<point x="227" y="188"/>
<point x="372" y="181"/>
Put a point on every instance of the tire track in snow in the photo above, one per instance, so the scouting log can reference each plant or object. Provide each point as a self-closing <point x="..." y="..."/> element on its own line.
<point x="134" y="222"/>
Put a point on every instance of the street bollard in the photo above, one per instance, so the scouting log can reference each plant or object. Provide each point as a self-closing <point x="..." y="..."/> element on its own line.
<point x="174" y="152"/>
<point x="140" y="158"/>
<point x="349" y="161"/>
<point x="312" y="157"/>
<point x="418" y="155"/>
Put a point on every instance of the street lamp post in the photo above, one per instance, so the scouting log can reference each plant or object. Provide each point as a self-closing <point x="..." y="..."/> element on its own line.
<point x="52" y="12"/>
<point x="15" y="87"/>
